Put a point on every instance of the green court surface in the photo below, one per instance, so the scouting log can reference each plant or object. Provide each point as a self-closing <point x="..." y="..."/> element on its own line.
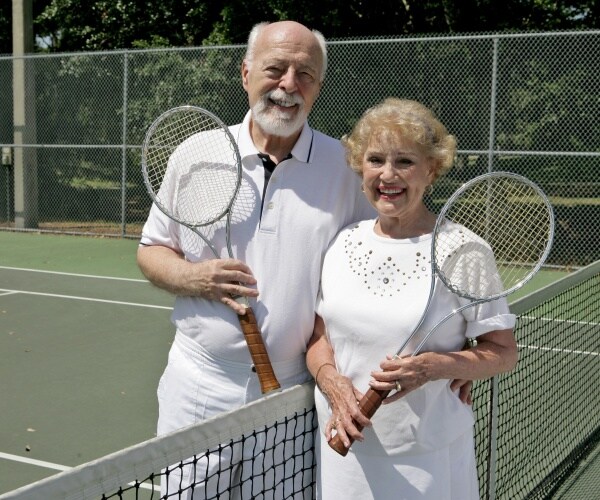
<point x="83" y="341"/>
<point x="74" y="254"/>
<point x="541" y="279"/>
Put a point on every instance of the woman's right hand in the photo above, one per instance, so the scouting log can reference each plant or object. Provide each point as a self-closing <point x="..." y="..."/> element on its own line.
<point x="343" y="398"/>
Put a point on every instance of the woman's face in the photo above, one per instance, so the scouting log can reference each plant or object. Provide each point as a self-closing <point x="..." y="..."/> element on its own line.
<point x="396" y="172"/>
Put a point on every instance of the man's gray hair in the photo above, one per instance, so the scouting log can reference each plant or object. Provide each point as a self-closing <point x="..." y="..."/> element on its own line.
<point x="257" y="29"/>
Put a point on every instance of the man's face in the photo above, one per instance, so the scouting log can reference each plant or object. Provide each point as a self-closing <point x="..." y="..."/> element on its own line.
<point x="283" y="80"/>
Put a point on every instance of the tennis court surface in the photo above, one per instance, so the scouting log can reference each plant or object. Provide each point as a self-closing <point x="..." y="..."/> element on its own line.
<point x="83" y="340"/>
<point x="82" y="354"/>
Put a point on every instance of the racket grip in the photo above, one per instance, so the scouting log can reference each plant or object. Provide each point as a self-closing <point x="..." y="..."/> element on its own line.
<point x="368" y="405"/>
<point x="258" y="352"/>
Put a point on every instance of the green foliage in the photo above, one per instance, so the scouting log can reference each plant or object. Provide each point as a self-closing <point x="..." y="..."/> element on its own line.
<point x="5" y="28"/>
<point x="162" y="80"/>
<point x="67" y="25"/>
<point x="548" y="99"/>
<point x="112" y="24"/>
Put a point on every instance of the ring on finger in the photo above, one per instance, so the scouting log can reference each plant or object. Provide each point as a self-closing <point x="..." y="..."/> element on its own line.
<point x="398" y="386"/>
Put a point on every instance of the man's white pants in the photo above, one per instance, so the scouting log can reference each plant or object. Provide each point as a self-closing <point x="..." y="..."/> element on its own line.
<point x="196" y="386"/>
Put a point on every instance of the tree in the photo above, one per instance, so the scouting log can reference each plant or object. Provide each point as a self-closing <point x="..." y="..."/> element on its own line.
<point x="112" y="24"/>
<point x="5" y="28"/>
<point x="64" y="26"/>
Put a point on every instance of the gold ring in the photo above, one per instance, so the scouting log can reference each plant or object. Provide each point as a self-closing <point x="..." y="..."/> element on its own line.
<point x="398" y="386"/>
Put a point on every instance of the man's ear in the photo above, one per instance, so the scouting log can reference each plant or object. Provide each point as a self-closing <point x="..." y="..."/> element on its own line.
<point x="245" y="74"/>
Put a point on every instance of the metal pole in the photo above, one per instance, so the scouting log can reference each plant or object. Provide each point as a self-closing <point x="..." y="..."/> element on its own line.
<point x="24" y="117"/>
<point x="493" y="422"/>
<point x="124" y="147"/>
<point x="494" y="89"/>
<point x="493" y="441"/>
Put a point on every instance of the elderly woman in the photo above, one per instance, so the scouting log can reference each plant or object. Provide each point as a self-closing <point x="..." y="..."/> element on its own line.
<point x="374" y="287"/>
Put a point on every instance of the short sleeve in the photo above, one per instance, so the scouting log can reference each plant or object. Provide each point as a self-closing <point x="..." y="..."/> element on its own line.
<point x="487" y="317"/>
<point x="159" y="229"/>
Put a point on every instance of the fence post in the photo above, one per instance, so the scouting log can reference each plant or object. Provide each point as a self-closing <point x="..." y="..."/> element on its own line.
<point x="124" y="146"/>
<point x="7" y="164"/>
<point x="25" y="168"/>
<point x="494" y="89"/>
<point x="493" y="422"/>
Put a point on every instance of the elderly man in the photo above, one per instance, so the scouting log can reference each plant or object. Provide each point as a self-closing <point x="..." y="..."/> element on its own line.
<point x="297" y="193"/>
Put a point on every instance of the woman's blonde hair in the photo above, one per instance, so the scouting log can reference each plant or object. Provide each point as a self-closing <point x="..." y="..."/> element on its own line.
<point x="409" y="119"/>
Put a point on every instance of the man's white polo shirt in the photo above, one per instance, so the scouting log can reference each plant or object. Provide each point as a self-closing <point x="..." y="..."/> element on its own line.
<point x="309" y="198"/>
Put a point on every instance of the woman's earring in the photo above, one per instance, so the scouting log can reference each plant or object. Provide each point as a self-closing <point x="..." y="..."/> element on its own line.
<point x="429" y="189"/>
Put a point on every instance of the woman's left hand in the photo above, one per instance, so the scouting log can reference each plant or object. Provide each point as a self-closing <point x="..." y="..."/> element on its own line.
<point x="401" y="375"/>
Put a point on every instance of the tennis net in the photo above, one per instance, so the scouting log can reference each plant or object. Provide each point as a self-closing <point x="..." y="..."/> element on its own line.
<point x="549" y="407"/>
<point x="534" y="426"/>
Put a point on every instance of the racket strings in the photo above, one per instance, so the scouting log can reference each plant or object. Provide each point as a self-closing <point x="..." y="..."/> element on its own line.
<point x="192" y="166"/>
<point x="499" y="221"/>
<point x="164" y="139"/>
<point x="518" y="238"/>
<point x="204" y="195"/>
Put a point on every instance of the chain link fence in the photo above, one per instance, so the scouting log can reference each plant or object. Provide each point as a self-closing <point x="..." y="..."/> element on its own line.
<point x="525" y="103"/>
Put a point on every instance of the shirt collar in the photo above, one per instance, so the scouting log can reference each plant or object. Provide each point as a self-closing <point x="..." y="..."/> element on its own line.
<point x="301" y="151"/>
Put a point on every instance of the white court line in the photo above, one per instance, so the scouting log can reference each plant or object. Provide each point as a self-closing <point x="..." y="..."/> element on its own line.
<point x="558" y="320"/>
<point x="74" y="297"/>
<point x="3" y="292"/>
<point x="32" y="461"/>
<point x="9" y="292"/>
<point x="556" y="349"/>
<point x="73" y="274"/>
<point x="50" y="465"/>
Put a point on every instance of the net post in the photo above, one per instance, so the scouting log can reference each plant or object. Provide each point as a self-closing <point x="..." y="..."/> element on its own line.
<point x="492" y="441"/>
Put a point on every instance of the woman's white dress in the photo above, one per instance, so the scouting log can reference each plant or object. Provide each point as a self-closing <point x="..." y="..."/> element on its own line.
<point x="373" y="293"/>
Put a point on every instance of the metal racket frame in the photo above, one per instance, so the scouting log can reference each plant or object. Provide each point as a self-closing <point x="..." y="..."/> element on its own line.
<point x="248" y="323"/>
<point x="436" y="271"/>
<point x="372" y="399"/>
<point x="238" y="163"/>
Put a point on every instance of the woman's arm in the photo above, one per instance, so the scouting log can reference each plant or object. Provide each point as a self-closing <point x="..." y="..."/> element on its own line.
<point x="338" y="389"/>
<point x="495" y="352"/>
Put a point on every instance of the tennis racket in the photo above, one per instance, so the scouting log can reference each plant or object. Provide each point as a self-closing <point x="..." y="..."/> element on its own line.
<point x="193" y="171"/>
<point x="490" y="238"/>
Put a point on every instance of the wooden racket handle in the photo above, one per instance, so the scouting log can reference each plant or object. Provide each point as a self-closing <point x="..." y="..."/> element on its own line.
<point x="368" y="405"/>
<point x="258" y="352"/>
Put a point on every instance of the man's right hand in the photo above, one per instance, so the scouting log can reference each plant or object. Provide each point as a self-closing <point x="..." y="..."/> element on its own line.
<point x="215" y="279"/>
<point x="222" y="280"/>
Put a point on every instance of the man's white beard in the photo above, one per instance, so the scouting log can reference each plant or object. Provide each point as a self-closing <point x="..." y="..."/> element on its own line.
<point x="274" y="122"/>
